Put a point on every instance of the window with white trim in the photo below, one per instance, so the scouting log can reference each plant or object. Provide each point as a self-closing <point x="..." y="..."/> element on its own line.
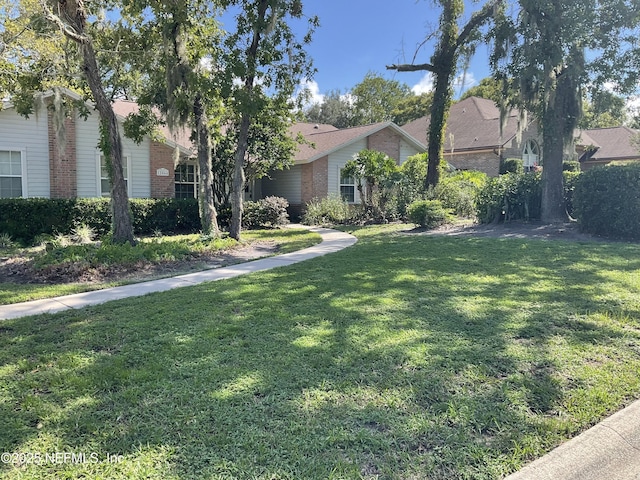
<point x="11" y="174"/>
<point x="186" y="181"/>
<point x="104" y="183"/>
<point x="347" y="187"/>
<point x="531" y="156"/>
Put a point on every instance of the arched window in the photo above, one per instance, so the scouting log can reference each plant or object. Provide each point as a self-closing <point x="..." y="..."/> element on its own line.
<point x="531" y="155"/>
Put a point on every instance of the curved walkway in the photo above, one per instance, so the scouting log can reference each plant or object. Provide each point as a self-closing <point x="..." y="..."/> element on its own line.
<point x="332" y="241"/>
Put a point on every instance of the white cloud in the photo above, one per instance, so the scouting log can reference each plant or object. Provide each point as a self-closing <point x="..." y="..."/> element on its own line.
<point x="424" y="85"/>
<point x="461" y="83"/>
<point x="464" y="81"/>
<point x="311" y="89"/>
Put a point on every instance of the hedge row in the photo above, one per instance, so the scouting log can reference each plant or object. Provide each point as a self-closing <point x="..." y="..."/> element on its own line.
<point x="26" y="218"/>
<point x="518" y="196"/>
<point x="606" y="201"/>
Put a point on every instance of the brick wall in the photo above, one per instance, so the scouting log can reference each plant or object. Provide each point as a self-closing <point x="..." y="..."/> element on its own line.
<point x="385" y="141"/>
<point x="63" y="179"/>
<point x="487" y="162"/>
<point x="161" y="157"/>
<point x="315" y="178"/>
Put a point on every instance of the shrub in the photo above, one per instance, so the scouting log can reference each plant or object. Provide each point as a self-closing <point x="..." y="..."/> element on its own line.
<point x="459" y="192"/>
<point x="267" y="212"/>
<point x="571" y="166"/>
<point x="83" y="234"/>
<point x="327" y="211"/>
<point x="518" y="197"/>
<point x="570" y="179"/>
<point x="429" y="213"/>
<point x="165" y="214"/>
<point x="510" y="197"/>
<point x="606" y="201"/>
<point x="5" y="241"/>
<point x="511" y="165"/>
<point x="25" y="219"/>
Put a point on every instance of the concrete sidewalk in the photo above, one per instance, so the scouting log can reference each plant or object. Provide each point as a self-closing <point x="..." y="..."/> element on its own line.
<point x="608" y="451"/>
<point x="332" y="241"/>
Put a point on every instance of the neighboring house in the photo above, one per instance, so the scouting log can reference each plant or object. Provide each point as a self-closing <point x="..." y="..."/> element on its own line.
<point x="318" y="164"/>
<point x="475" y="141"/>
<point x="34" y="164"/>
<point x="605" y="145"/>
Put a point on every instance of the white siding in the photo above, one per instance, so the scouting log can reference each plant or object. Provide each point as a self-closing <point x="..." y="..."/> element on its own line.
<point x="337" y="161"/>
<point x="285" y="183"/>
<point x="87" y="136"/>
<point x="140" y="175"/>
<point x="406" y="151"/>
<point x="87" y="156"/>
<point x="31" y="137"/>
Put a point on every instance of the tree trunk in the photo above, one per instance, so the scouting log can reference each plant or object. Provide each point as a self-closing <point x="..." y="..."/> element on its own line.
<point x="559" y="121"/>
<point x="208" y="214"/>
<point x="73" y="26"/>
<point x="237" y="193"/>
<point x="553" y="207"/>
<point x="111" y="148"/>
<point x="439" y="113"/>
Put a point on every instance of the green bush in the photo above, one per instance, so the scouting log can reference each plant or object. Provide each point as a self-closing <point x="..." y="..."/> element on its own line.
<point x="327" y="211"/>
<point x="268" y="212"/>
<point x="429" y="213"/>
<point x="25" y="219"/>
<point x="518" y="197"/>
<point x="570" y="179"/>
<point x="165" y="215"/>
<point x="511" y="196"/>
<point x="459" y="192"/>
<point x="606" y="201"/>
<point x="511" y="165"/>
<point x="571" y="166"/>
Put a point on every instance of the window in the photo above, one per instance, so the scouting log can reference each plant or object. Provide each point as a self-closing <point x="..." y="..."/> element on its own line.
<point x="531" y="155"/>
<point x="347" y="188"/>
<point x="186" y="181"/>
<point x="10" y="174"/>
<point x="105" y="183"/>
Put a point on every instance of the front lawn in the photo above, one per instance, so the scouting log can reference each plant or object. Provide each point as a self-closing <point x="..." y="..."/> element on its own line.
<point x="115" y="265"/>
<point x="404" y="356"/>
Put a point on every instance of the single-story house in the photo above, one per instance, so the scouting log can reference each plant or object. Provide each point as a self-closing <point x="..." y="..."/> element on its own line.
<point x="600" y="146"/>
<point x="318" y="164"/>
<point x="34" y="164"/>
<point x="475" y="141"/>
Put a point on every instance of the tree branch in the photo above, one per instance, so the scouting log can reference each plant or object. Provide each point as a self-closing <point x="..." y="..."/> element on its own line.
<point x="66" y="29"/>
<point x="476" y="20"/>
<point x="412" y="68"/>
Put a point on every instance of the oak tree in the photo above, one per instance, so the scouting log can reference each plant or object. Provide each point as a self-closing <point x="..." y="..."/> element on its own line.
<point x="456" y="40"/>
<point x="548" y="54"/>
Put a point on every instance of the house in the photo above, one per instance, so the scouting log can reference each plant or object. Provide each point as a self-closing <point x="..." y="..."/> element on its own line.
<point x="475" y="141"/>
<point x="318" y="164"/>
<point x="605" y="145"/>
<point x="37" y="159"/>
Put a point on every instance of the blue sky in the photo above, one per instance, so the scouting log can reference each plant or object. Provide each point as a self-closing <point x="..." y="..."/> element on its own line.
<point x="360" y="36"/>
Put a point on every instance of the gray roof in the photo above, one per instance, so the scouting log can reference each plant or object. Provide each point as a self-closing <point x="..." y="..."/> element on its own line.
<point x="614" y="143"/>
<point x="473" y="124"/>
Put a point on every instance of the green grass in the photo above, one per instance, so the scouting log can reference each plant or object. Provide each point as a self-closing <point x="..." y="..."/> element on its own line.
<point x="400" y="357"/>
<point x="178" y="247"/>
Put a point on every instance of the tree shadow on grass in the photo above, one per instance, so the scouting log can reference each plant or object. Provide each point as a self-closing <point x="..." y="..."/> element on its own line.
<point x="397" y="358"/>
